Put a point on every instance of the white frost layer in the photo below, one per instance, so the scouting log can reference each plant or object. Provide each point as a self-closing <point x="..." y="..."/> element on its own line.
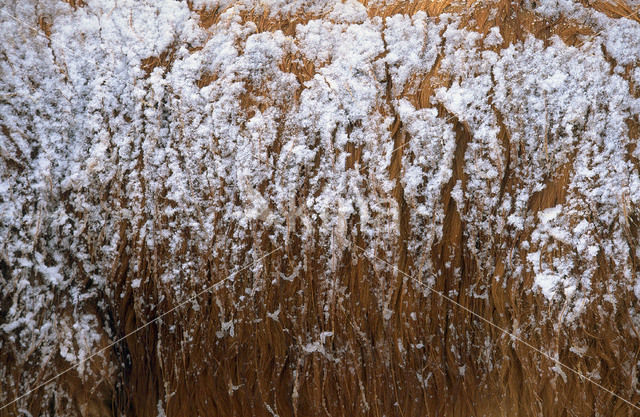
<point x="97" y="156"/>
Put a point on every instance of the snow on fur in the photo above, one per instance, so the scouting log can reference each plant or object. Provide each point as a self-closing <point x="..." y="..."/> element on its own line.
<point x="142" y="153"/>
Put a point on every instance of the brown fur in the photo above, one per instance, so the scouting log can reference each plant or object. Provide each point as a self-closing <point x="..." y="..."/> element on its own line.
<point x="264" y="369"/>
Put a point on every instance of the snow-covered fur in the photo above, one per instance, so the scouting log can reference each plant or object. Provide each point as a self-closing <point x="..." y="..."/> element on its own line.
<point x="149" y="149"/>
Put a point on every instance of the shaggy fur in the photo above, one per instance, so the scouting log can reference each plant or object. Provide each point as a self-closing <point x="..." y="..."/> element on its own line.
<point x="320" y="327"/>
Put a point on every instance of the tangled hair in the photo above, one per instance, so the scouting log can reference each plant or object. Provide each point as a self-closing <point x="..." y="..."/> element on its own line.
<point x="381" y="149"/>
